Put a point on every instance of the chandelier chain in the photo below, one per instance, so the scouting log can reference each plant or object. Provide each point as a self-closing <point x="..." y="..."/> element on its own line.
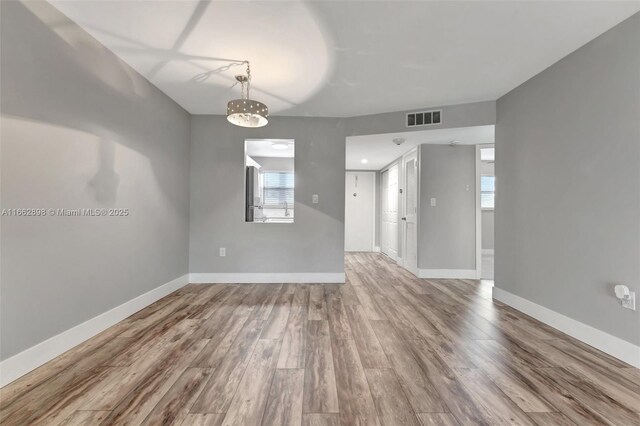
<point x="248" y="78"/>
<point x="244" y="90"/>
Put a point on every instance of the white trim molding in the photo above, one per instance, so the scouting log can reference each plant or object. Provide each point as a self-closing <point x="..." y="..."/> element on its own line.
<point x="478" y="253"/>
<point x="392" y="257"/>
<point x="32" y="358"/>
<point x="376" y="249"/>
<point x="612" y="345"/>
<point x="452" y="274"/>
<point x="490" y="252"/>
<point x="267" y="277"/>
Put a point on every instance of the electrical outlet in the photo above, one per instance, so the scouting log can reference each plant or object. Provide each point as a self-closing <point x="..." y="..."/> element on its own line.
<point x="314" y="198"/>
<point x="223" y="252"/>
<point x="433" y="202"/>
<point x="630" y="302"/>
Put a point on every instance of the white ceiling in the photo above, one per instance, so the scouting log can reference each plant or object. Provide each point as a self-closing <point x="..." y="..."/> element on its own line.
<point x="264" y="148"/>
<point x="343" y="58"/>
<point x="379" y="150"/>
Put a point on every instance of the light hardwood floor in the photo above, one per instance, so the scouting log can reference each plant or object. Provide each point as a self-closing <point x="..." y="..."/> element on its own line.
<point x="384" y="349"/>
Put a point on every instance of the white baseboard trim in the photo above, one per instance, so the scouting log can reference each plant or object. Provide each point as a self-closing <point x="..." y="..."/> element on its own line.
<point x="488" y="251"/>
<point x="392" y="257"/>
<point x="266" y="278"/>
<point x="32" y="358"/>
<point x="376" y="249"/>
<point x="459" y="274"/>
<point x="612" y="345"/>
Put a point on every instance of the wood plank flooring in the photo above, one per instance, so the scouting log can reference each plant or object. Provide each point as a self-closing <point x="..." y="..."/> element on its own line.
<point x="385" y="348"/>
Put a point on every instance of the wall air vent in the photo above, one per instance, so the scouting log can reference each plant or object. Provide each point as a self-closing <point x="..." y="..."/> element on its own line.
<point x="425" y="118"/>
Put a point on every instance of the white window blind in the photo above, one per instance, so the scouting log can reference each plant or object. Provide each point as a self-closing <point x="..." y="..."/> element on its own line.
<point x="278" y="188"/>
<point x="487" y="192"/>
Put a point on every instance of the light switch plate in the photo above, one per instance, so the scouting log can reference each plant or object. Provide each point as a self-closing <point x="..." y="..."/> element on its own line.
<point x="314" y="198"/>
<point x="433" y="202"/>
<point x="223" y="252"/>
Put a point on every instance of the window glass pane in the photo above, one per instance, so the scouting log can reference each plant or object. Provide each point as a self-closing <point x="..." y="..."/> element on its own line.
<point x="278" y="188"/>
<point x="487" y="200"/>
<point x="487" y="154"/>
<point x="487" y="192"/>
<point x="488" y="183"/>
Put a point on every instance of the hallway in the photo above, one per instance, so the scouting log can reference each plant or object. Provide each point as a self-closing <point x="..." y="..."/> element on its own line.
<point x="385" y="348"/>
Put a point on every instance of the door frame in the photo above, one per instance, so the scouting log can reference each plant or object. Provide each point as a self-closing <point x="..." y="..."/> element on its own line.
<point x="478" y="216"/>
<point x="373" y="206"/>
<point x="403" y="179"/>
<point x="479" y="209"/>
<point x="387" y="168"/>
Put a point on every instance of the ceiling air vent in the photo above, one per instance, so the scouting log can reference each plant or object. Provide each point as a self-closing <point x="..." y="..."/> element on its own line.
<point x="425" y="118"/>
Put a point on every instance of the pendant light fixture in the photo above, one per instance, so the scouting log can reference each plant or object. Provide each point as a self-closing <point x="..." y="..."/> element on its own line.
<point x="246" y="112"/>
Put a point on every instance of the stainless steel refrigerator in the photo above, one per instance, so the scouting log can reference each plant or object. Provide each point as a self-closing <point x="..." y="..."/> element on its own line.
<point x="252" y="192"/>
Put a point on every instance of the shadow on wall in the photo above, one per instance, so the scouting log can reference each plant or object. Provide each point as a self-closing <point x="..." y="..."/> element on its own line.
<point x="43" y="77"/>
<point x="105" y="182"/>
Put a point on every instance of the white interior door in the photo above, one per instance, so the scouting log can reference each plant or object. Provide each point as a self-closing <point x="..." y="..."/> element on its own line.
<point x="359" y="211"/>
<point x="389" y="212"/>
<point x="410" y="212"/>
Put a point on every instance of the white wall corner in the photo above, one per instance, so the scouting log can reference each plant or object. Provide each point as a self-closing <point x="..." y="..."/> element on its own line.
<point x="267" y="278"/>
<point x="32" y="358"/>
<point x="612" y="345"/>
<point x="452" y="274"/>
<point x="376" y="249"/>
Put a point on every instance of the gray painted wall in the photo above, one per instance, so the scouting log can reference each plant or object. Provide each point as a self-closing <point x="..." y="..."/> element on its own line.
<point x="80" y="129"/>
<point x="313" y="243"/>
<point x="447" y="232"/>
<point x="568" y="230"/>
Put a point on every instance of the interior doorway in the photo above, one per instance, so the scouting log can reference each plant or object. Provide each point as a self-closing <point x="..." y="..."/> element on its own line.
<point x="389" y="193"/>
<point x="410" y="211"/>
<point x="359" y="226"/>
<point x="487" y="206"/>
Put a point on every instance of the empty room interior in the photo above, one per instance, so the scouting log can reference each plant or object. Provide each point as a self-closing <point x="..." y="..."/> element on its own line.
<point x="319" y="212"/>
